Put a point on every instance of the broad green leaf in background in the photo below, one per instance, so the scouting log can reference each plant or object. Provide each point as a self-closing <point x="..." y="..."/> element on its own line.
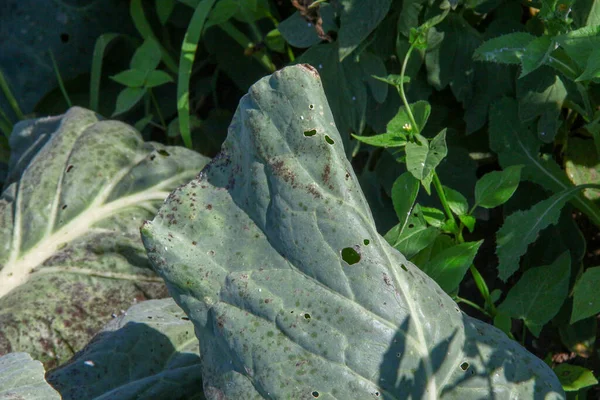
<point x="456" y="201"/>
<point x="423" y="157"/>
<point x="582" y="164"/>
<point x="150" y="351"/>
<point x="586" y="13"/>
<point x="266" y="230"/>
<point x="404" y="194"/>
<point x="448" y="267"/>
<point x="413" y="236"/>
<point x="21" y="377"/>
<point x="127" y="99"/>
<point x="420" y="110"/>
<point x="516" y="145"/>
<point x="539" y="294"/>
<point x="522" y="228"/>
<point x="592" y="67"/>
<point x="70" y="252"/>
<point x="358" y="19"/>
<point x="164" y="8"/>
<point x="147" y="57"/>
<point x="585" y="295"/>
<point x="496" y="187"/>
<point x="68" y="29"/>
<point x="574" y="377"/>
<point x="409" y="17"/>
<point x="300" y="33"/>
<point x="505" y="49"/>
<point x="581" y="43"/>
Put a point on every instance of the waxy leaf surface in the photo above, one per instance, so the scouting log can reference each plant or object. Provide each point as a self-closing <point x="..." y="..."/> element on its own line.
<point x="70" y="249"/>
<point x="273" y="253"/>
<point x="21" y="377"/>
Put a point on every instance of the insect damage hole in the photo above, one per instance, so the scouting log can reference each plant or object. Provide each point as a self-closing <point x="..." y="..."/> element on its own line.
<point x="329" y="140"/>
<point x="464" y="366"/>
<point x="311" y="106"/>
<point x="350" y="255"/>
<point x="311" y="132"/>
<point x="315" y="394"/>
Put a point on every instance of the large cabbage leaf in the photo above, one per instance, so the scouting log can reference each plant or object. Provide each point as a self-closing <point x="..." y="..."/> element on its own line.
<point x="21" y="377"/>
<point x="70" y="249"/>
<point x="273" y="253"/>
<point x="150" y="352"/>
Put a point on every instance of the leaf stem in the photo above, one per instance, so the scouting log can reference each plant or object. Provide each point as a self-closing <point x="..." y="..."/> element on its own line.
<point x="61" y="84"/>
<point x="483" y="289"/>
<point x="403" y="94"/>
<point x="155" y="103"/>
<point x="9" y="96"/>
<point x="475" y="306"/>
<point x="442" y="195"/>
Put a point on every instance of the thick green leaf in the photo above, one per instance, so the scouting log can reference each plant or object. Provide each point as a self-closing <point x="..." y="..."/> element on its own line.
<point x="522" y="228"/>
<point x="70" y="251"/>
<point x="423" y="157"/>
<point x="150" y="351"/>
<point x="298" y="32"/>
<point x="585" y="296"/>
<point x="404" y="194"/>
<point x="516" y="145"/>
<point x="457" y="202"/>
<point x="358" y="20"/>
<point x="496" y="187"/>
<point x="574" y="377"/>
<point x="539" y="294"/>
<point x="255" y="252"/>
<point x="21" y="377"/>
<point x="448" y="267"/>
<point x="31" y="28"/>
<point x="505" y="49"/>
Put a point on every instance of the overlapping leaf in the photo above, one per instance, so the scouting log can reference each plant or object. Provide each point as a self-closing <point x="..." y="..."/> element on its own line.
<point x="70" y="251"/>
<point x="254" y="251"/>
<point x="21" y="377"/>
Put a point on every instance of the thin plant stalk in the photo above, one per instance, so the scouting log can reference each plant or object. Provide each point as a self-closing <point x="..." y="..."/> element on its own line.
<point x="9" y="96"/>
<point x="61" y="84"/>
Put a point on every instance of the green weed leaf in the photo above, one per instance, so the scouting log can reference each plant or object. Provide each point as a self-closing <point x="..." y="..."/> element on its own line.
<point x="393" y="79"/>
<point x="404" y="194"/>
<point x="448" y="267"/>
<point x="522" y="228"/>
<point x="401" y="121"/>
<point x="468" y="221"/>
<point x="582" y="165"/>
<point x="574" y="377"/>
<point x="592" y="67"/>
<point x="496" y="187"/>
<point x="133" y="78"/>
<point x="414" y="235"/>
<point x="157" y="78"/>
<point x="164" y="8"/>
<point x="457" y="202"/>
<point x="505" y="49"/>
<point x="433" y="216"/>
<point x="357" y="21"/>
<point x="423" y="157"/>
<point x="384" y="140"/>
<point x="585" y="295"/>
<point x="147" y="57"/>
<point x="581" y="43"/>
<point x="536" y="54"/>
<point x="539" y="294"/>
<point x="128" y="98"/>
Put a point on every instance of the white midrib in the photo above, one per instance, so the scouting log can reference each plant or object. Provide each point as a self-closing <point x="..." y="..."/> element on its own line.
<point x="17" y="271"/>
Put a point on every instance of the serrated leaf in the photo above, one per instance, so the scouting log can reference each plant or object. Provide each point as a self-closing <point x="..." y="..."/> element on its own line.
<point x="386" y="140"/>
<point x="131" y="78"/>
<point x="574" y="377"/>
<point x="496" y="187"/>
<point x="285" y="212"/>
<point x="421" y="159"/>
<point x="536" y="54"/>
<point x="357" y="21"/>
<point x="456" y="201"/>
<point x="69" y="228"/>
<point x="539" y="294"/>
<point x="128" y="98"/>
<point x="157" y="78"/>
<point x="515" y="145"/>
<point x="505" y="49"/>
<point x="448" y="268"/>
<point x="522" y="228"/>
<point x="404" y="194"/>
<point x="149" y="351"/>
<point x="585" y="296"/>
<point x="22" y="377"/>
<point x="147" y="57"/>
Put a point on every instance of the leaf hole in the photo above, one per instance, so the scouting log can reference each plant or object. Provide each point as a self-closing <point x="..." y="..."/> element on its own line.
<point x="64" y="206"/>
<point x="398" y="355"/>
<point x="311" y="132"/>
<point x="464" y="366"/>
<point x="311" y="106"/>
<point x="64" y="37"/>
<point x="185" y="318"/>
<point x="377" y="394"/>
<point x="350" y="256"/>
<point x="69" y="168"/>
<point x="411" y="225"/>
<point x="163" y="153"/>
<point x="307" y="316"/>
<point x="315" y="394"/>
<point x="403" y="267"/>
<point x="366" y="242"/>
<point x="329" y="140"/>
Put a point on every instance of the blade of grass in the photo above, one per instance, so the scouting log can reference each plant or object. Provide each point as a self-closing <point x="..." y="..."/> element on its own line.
<point x="5" y="125"/>
<point x="245" y="42"/>
<point x="61" y="84"/>
<point x="186" y="61"/>
<point x="9" y="96"/>
<point x="136" y="11"/>
<point x="101" y="44"/>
